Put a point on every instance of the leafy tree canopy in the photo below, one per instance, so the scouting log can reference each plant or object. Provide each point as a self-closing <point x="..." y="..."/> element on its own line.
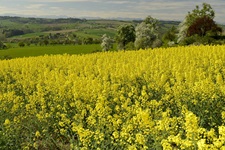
<point x="199" y="13"/>
<point x="146" y="33"/>
<point x="170" y="35"/>
<point x="191" y="17"/>
<point x="202" y="26"/>
<point x="152" y="23"/>
<point x="125" y="35"/>
<point x="107" y="43"/>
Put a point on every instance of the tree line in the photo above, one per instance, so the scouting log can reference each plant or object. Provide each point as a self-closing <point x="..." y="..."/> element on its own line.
<point x="57" y="39"/>
<point x="198" y="27"/>
<point x="41" y="20"/>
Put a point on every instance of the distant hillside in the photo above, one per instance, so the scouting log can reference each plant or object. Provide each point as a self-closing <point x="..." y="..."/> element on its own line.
<point x="20" y="27"/>
<point x="23" y="28"/>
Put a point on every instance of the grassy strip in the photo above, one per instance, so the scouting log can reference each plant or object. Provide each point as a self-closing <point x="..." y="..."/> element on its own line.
<point x="49" y="50"/>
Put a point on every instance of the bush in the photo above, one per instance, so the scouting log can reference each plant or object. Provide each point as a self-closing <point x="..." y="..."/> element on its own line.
<point x="197" y="40"/>
<point x="157" y="43"/>
<point x="6" y="57"/>
<point x="188" y="41"/>
<point x="130" y="46"/>
<point x="2" y="45"/>
<point x="21" y="44"/>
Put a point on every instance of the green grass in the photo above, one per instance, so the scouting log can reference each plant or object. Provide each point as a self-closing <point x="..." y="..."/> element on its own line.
<point x="49" y="50"/>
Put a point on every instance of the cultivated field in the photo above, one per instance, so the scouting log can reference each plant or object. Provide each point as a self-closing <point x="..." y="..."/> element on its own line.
<point x="48" y="50"/>
<point x="149" y="99"/>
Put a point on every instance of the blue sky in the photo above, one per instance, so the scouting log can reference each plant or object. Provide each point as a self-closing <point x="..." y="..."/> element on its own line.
<point x="160" y="9"/>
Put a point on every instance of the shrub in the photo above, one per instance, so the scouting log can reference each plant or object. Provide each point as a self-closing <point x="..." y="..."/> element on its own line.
<point x="21" y="44"/>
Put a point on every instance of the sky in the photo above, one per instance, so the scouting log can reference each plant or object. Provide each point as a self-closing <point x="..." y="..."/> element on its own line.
<point x="160" y="9"/>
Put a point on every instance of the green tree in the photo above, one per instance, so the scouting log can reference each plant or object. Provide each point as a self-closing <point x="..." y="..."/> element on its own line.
<point x="2" y="37"/>
<point x="45" y="42"/>
<point x="191" y="17"/>
<point x="21" y="44"/>
<point x="2" y="45"/>
<point x="88" y="40"/>
<point x="125" y="35"/>
<point x="170" y="36"/>
<point x="203" y="26"/>
<point x="198" y="13"/>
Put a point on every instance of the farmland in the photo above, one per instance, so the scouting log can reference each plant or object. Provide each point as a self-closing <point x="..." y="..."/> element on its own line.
<point x="25" y="37"/>
<point x="71" y="35"/>
<point x="83" y="27"/>
<point x="104" y="84"/>
<point x="48" y="50"/>
<point x="166" y="98"/>
<point x="39" y="25"/>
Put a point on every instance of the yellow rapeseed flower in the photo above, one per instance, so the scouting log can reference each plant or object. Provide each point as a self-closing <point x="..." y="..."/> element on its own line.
<point x="7" y="122"/>
<point x="37" y="134"/>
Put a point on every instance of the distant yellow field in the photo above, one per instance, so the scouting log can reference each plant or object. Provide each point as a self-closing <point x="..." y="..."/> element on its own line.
<point x="147" y="99"/>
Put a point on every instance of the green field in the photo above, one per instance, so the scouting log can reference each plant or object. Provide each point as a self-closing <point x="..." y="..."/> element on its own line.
<point x="49" y="50"/>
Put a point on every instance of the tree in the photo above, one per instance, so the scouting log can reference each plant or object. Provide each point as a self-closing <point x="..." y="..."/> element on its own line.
<point x="107" y="43"/>
<point x="45" y="42"/>
<point x="182" y="27"/>
<point x="125" y="35"/>
<point x="88" y="40"/>
<point x="2" y="37"/>
<point x="152" y="22"/>
<point x="202" y="26"/>
<point x="191" y="18"/>
<point x="21" y="44"/>
<point x="2" y="45"/>
<point x="170" y="36"/>
<point x="146" y="33"/>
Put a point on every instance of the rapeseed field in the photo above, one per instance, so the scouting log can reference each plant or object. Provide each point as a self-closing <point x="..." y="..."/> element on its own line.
<point x="168" y="99"/>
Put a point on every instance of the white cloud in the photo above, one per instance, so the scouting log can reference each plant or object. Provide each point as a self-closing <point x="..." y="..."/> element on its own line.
<point x="55" y="8"/>
<point x="34" y="6"/>
<point x="160" y="9"/>
<point x="62" y="1"/>
<point x="119" y="2"/>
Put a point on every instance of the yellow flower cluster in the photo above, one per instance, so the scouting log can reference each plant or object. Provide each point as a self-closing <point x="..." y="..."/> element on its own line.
<point x="149" y="99"/>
